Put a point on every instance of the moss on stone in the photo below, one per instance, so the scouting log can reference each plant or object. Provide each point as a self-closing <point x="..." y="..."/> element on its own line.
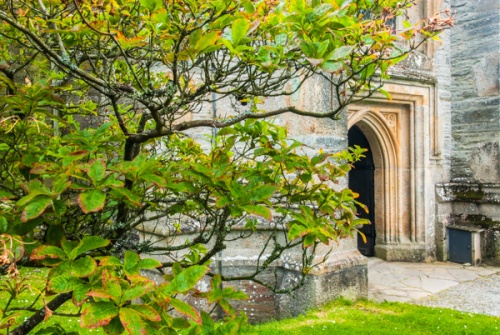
<point x="482" y="221"/>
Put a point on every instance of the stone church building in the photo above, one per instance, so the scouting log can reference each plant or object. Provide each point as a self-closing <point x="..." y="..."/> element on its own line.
<point x="431" y="177"/>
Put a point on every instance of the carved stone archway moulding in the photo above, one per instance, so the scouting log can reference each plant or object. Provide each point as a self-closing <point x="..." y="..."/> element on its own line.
<point x="402" y="135"/>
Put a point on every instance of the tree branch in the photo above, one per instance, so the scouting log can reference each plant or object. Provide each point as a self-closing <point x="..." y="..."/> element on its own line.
<point x="38" y="317"/>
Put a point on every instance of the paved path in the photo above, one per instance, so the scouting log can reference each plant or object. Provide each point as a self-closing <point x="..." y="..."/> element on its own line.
<point x="441" y="284"/>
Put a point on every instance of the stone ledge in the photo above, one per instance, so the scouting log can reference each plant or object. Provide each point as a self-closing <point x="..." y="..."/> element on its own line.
<point x="468" y="192"/>
<point x="404" y="252"/>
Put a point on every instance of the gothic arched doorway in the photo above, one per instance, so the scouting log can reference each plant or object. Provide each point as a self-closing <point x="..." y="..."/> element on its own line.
<point x="361" y="180"/>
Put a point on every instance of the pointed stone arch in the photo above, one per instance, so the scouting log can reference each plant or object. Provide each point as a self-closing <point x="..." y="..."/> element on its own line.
<point x="400" y="133"/>
<point x="385" y="155"/>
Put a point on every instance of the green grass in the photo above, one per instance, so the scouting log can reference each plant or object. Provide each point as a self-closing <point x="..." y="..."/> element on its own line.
<point x="338" y="317"/>
<point x="369" y="318"/>
<point x="32" y="287"/>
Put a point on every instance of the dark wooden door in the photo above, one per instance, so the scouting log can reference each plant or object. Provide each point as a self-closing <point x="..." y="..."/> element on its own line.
<point x="361" y="180"/>
<point x="460" y="246"/>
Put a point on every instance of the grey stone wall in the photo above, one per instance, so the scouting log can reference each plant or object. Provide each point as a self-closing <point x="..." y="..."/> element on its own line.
<point x="472" y="197"/>
<point x="475" y="50"/>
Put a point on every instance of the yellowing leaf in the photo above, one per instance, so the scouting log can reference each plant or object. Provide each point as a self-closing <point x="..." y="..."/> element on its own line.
<point x="207" y="40"/>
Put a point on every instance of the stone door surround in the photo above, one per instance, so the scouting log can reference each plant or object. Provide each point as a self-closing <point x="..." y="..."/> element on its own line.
<point x="402" y="135"/>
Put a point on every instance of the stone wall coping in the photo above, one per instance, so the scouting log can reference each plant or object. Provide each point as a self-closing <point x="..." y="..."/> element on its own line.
<point x="466" y="228"/>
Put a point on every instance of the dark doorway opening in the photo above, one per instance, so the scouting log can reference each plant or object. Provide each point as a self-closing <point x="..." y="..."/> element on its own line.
<point x="361" y="180"/>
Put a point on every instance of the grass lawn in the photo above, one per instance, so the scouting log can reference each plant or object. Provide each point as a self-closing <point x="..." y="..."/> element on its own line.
<point x="369" y="318"/>
<point x="54" y="325"/>
<point x="338" y="317"/>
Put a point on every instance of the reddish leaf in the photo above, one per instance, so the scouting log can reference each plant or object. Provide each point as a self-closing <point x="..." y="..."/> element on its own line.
<point x="91" y="201"/>
<point x="98" y="314"/>
<point x="47" y="251"/>
<point x="133" y="321"/>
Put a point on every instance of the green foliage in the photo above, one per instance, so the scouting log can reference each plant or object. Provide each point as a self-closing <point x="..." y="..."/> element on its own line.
<point x="95" y="99"/>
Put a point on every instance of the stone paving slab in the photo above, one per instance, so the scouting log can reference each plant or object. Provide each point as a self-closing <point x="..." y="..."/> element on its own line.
<point x="405" y="282"/>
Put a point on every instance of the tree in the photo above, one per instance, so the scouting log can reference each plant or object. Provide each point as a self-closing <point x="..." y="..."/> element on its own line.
<point x="98" y="96"/>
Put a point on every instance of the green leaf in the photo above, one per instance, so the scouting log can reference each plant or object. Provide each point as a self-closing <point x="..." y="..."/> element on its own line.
<point x="339" y="53"/>
<point x="114" y="327"/>
<point x="67" y="246"/>
<point x="59" y="207"/>
<point x="140" y="286"/>
<point x="130" y="261"/>
<point x="54" y="235"/>
<point x="86" y="244"/>
<point x="4" y="195"/>
<point x="35" y="208"/>
<point x="296" y="230"/>
<point x="98" y="314"/>
<point x="186" y="280"/>
<point x="91" y="201"/>
<point x="319" y="158"/>
<point x="263" y="193"/>
<point x="258" y="210"/>
<point x="63" y="284"/>
<point x="407" y="24"/>
<point x="186" y="309"/>
<point x="155" y="179"/>
<point x="123" y="192"/>
<point x="61" y="184"/>
<point x="83" y="267"/>
<point x="102" y="294"/>
<point x="386" y="94"/>
<point x="239" y="30"/>
<point x="111" y="181"/>
<point x="264" y="55"/>
<point x="97" y="170"/>
<point x="309" y="240"/>
<point x="182" y="323"/>
<point x="148" y="263"/>
<point x="152" y="5"/>
<point x="207" y="323"/>
<point x="3" y="225"/>
<point x="226" y="307"/>
<point x="80" y="294"/>
<point x="331" y="67"/>
<point x="183" y="186"/>
<point x="223" y="201"/>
